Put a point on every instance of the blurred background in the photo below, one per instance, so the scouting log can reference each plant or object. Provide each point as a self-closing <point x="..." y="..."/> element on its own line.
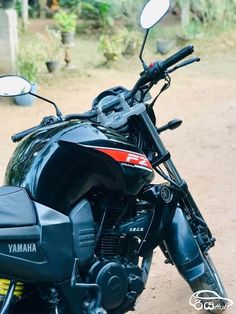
<point x="72" y="50"/>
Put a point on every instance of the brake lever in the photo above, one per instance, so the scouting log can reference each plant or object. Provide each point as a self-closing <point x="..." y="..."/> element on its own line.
<point x="183" y="64"/>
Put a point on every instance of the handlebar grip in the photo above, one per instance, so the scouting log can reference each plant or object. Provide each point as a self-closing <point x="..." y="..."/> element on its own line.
<point x="183" y="53"/>
<point x="19" y="136"/>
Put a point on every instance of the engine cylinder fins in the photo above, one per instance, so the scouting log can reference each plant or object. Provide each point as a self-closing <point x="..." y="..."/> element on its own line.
<point x="112" y="279"/>
<point x="111" y="245"/>
<point x="4" y="286"/>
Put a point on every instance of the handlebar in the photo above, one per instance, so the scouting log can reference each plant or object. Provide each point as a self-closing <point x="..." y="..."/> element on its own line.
<point x="19" y="136"/>
<point x="153" y="74"/>
<point x="157" y="70"/>
<point x="50" y="120"/>
<point x="178" y="56"/>
<point x="53" y="120"/>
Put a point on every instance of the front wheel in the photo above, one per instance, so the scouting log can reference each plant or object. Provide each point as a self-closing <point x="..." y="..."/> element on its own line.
<point x="209" y="291"/>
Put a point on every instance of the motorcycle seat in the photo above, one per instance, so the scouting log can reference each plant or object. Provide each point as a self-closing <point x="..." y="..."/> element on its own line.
<point x="16" y="208"/>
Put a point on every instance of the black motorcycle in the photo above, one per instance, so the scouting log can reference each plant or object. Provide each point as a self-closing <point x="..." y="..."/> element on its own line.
<point x="80" y="216"/>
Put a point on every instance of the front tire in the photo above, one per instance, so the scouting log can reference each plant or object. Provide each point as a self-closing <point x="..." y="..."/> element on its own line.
<point x="210" y="281"/>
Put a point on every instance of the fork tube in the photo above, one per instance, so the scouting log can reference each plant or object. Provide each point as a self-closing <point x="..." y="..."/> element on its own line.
<point x="159" y="146"/>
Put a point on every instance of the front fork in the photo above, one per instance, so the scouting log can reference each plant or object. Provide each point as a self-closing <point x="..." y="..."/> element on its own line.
<point x="188" y="204"/>
<point x="163" y="154"/>
<point x="188" y="236"/>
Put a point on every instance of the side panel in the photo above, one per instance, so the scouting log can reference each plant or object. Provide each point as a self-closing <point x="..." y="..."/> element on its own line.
<point x="39" y="253"/>
<point x="83" y="232"/>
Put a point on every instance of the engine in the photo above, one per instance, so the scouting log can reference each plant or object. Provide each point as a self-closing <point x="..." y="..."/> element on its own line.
<point x="121" y="224"/>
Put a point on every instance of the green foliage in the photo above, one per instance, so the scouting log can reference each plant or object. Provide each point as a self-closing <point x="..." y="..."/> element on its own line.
<point x="86" y="8"/>
<point x="106" y="11"/>
<point x="220" y="11"/>
<point x="78" y="6"/>
<point x="212" y="11"/>
<point x="128" y="11"/>
<point x="206" y="15"/>
<point x="99" y="10"/>
<point x="105" y="18"/>
<point x="131" y="42"/>
<point x="28" y="70"/>
<point x="114" y="46"/>
<point x="29" y="59"/>
<point x="111" y="46"/>
<point x="34" y="9"/>
<point x="69" y="4"/>
<point x="115" y="41"/>
<point x="66" y="21"/>
<point x="53" y="44"/>
<point x="18" y="7"/>
<point x="194" y="30"/>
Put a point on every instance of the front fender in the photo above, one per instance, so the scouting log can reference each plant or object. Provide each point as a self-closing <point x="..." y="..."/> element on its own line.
<point x="183" y="248"/>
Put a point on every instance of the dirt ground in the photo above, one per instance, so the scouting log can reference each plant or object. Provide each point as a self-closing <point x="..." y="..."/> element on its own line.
<point x="204" y="150"/>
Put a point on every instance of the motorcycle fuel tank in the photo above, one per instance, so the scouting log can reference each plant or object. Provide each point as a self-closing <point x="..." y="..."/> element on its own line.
<point x="59" y="164"/>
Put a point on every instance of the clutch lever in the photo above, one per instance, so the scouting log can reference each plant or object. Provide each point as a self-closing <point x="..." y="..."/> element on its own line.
<point x="183" y="64"/>
<point x="47" y="121"/>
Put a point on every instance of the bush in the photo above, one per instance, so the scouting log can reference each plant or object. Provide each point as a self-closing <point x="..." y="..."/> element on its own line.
<point x="98" y="10"/>
<point x="29" y="60"/>
<point x="111" y="46"/>
<point x="212" y="11"/>
<point x="53" y="44"/>
<point x="28" y="70"/>
<point x="69" y="4"/>
<point x="66" y="21"/>
<point x="106" y="11"/>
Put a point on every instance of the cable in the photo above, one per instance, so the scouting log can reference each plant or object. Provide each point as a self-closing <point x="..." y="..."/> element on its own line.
<point x="164" y="88"/>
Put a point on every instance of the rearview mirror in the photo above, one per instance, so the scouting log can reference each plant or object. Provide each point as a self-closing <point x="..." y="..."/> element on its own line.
<point x="153" y="12"/>
<point x="12" y="85"/>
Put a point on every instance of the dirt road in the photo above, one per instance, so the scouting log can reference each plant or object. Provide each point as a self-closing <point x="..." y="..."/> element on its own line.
<point x="204" y="150"/>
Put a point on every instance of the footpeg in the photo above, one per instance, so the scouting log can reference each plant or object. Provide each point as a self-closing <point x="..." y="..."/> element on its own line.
<point x="93" y="306"/>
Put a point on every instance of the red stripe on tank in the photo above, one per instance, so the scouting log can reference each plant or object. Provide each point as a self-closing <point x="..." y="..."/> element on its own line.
<point x="126" y="157"/>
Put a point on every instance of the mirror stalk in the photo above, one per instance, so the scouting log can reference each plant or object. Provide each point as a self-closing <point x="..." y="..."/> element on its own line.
<point x="58" y="111"/>
<point x="145" y="66"/>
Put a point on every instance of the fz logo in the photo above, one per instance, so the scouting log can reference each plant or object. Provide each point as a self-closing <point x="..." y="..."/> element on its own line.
<point x="137" y="159"/>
